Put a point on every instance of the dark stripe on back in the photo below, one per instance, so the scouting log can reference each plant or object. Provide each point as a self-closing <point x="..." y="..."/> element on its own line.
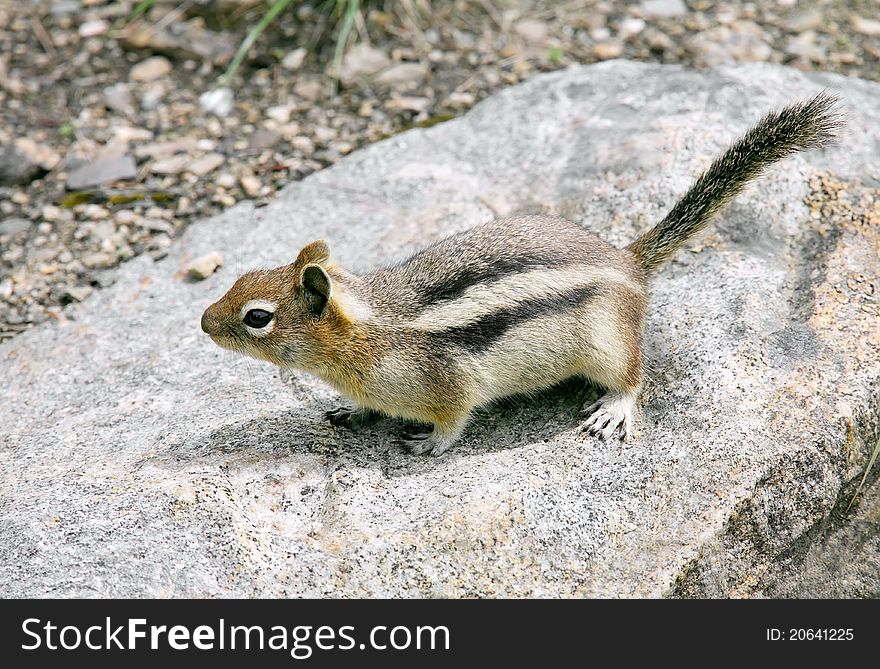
<point x="455" y="285"/>
<point x="486" y="330"/>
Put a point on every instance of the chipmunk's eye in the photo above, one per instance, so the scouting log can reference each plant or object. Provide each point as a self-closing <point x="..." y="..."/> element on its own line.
<point x="258" y="318"/>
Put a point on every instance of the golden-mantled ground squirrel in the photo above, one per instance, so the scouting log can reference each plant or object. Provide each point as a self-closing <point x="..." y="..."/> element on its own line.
<point x="508" y="307"/>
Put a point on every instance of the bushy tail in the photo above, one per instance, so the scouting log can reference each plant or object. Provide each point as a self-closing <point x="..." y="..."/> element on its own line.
<point x="800" y="126"/>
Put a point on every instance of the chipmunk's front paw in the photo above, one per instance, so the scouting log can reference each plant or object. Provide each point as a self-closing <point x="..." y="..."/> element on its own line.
<point x="611" y="415"/>
<point x="351" y="418"/>
<point x="418" y="440"/>
<point x="417" y="443"/>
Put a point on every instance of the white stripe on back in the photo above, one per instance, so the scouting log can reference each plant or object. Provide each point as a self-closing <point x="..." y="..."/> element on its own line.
<point x="508" y="291"/>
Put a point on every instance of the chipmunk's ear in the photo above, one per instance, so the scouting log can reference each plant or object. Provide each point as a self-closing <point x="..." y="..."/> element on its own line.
<point x="317" y="252"/>
<point x="316" y="288"/>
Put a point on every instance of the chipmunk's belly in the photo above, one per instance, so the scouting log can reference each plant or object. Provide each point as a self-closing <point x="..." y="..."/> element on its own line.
<point x="534" y="356"/>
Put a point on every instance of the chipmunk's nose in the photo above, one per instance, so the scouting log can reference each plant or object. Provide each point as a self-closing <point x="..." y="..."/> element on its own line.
<point x="209" y="322"/>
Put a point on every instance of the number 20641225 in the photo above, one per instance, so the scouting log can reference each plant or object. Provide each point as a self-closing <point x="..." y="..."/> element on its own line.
<point x="808" y="634"/>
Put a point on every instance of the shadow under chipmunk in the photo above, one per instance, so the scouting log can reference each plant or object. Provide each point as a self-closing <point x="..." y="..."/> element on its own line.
<point x="507" y="424"/>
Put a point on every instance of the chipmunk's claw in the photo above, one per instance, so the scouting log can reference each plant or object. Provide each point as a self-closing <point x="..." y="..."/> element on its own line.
<point x="416" y="439"/>
<point x="350" y="418"/>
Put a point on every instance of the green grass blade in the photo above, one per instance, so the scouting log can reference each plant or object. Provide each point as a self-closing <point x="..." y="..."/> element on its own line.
<point x="277" y="7"/>
<point x="140" y="9"/>
<point x="347" y="23"/>
<point x="871" y="462"/>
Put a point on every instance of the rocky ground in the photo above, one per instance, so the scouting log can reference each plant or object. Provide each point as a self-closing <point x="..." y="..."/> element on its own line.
<point x="114" y="135"/>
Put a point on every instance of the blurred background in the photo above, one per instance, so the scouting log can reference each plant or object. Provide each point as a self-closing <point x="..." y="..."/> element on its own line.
<point x="123" y="121"/>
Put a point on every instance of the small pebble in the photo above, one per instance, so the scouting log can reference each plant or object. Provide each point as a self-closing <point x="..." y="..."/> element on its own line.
<point x="664" y="8"/>
<point x="98" y="260"/>
<point x="12" y="226"/>
<point x="280" y="113"/>
<point x="309" y="90"/>
<point x="203" y="267"/>
<point x="218" y="101"/>
<point x="150" y="69"/>
<point x="93" y="28"/>
<point x="531" y="30"/>
<point x="630" y="26"/>
<point x="78" y="293"/>
<point x="294" y="60"/>
<point x="251" y="186"/>
<point x="51" y="213"/>
<point x="608" y="50"/>
<point x="205" y="164"/>
<point x="870" y="27"/>
<point x="225" y="180"/>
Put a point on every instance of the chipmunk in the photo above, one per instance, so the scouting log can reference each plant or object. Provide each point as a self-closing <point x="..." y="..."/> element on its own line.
<point x="508" y="307"/>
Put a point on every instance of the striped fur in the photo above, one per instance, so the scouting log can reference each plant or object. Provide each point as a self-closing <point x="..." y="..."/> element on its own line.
<point x="480" y="333"/>
<point x="508" y="307"/>
<point x="514" y="293"/>
<point x="466" y="278"/>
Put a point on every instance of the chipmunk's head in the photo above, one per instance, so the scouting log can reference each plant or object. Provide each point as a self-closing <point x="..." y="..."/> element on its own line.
<point x="290" y="316"/>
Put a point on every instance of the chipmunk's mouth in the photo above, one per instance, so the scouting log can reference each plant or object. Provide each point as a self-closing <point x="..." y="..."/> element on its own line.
<point x="227" y="342"/>
<point x="242" y="348"/>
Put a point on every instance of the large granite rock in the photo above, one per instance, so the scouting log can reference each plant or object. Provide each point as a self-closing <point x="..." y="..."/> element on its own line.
<point x="138" y="459"/>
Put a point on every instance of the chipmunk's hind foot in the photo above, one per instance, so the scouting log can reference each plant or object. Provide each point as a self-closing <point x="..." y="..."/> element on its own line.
<point x="611" y="416"/>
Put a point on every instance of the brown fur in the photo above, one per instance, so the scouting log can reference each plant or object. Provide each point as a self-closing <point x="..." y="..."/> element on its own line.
<point x="510" y="306"/>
